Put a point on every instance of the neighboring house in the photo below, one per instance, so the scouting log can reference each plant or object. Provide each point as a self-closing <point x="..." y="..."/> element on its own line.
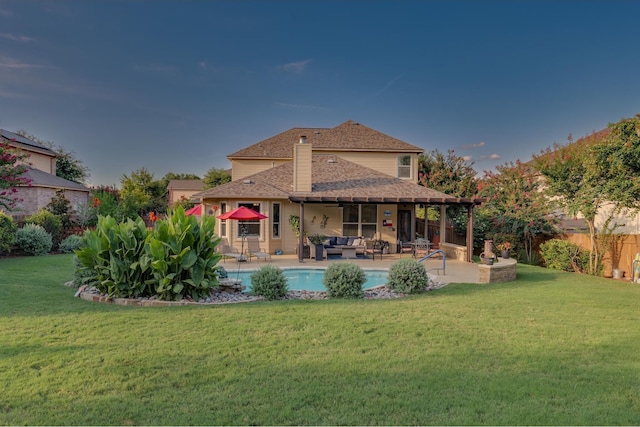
<point x="183" y="188"/>
<point x="42" y="173"/>
<point x="350" y="180"/>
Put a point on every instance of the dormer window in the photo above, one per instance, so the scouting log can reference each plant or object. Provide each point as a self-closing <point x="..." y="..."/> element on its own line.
<point x="404" y="166"/>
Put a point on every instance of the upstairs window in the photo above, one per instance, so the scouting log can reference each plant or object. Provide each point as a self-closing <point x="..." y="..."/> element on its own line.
<point x="404" y="166"/>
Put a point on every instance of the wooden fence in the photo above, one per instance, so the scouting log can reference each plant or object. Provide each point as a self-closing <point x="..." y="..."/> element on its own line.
<point x="621" y="254"/>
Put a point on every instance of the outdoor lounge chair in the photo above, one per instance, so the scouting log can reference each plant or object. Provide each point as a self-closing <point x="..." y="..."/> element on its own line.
<point x="254" y="249"/>
<point x="231" y="252"/>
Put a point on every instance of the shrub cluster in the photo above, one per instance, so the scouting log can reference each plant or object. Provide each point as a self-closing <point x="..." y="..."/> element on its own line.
<point x="34" y="240"/>
<point x="269" y="282"/>
<point x="51" y="223"/>
<point x="408" y="276"/>
<point x="175" y="260"/>
<point x="563" y="255"/>
<point x="344" y="280"/>
<point x="7" y="232"/>
<point x="70" y="244"/>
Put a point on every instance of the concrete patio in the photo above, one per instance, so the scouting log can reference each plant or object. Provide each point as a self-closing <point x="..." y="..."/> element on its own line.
<point x="455" y="272"/>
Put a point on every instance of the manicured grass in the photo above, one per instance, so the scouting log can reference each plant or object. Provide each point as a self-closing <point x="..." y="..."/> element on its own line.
<point x="550" y="348"/>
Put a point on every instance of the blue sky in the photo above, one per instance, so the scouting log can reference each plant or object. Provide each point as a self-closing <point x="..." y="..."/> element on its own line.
<point x="178" y="85"/>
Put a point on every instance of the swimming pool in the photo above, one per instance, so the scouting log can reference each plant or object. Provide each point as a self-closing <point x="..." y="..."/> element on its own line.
<point x="308" y="279"/>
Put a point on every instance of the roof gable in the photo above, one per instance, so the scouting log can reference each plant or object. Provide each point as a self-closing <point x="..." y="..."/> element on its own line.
<point x="348" y="136"/>
<point x="25" y="143"/>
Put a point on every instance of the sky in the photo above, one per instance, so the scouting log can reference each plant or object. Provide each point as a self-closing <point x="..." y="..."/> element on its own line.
<point x="176" y="86"/>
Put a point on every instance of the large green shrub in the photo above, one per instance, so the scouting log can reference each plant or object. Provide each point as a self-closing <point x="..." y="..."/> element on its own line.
<point x="183" y="257"/>
<point x="49" y="221"/>
<point x="34" y="240"/>
<point x="70" y="244"/>
<point x="7" y="232"/>
<point x="175" y="260"/>
<point x="563" y="255"/>
<point x="344" y="280"/>
<point x="269" y="282"/>
<point x="408" y="276"/>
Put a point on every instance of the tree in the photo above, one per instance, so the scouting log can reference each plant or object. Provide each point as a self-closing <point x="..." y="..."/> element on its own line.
<point x="136" y="190"/>
<point x="448" y="173"/>
<point x="68" y="166"/>
<point x="215" y="177"/>
<point x="516" y="205"/>
<point x="12" y="170"/>
<point x="597" y="171"/>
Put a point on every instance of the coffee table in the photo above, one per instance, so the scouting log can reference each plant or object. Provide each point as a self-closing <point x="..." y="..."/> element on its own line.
<point x="348" y="252"/>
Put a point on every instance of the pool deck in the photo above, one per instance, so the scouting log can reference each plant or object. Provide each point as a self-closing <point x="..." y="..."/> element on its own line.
<point x="455" y="272"/>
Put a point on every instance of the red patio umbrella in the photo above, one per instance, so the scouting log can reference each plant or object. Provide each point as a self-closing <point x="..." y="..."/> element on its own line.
<point x="242" y="214"/>
<point x="196" y="210"/>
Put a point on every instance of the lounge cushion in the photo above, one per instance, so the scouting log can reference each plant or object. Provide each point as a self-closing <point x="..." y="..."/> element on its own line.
<point x="342" y="241"/>
<point x="332" y="240"/>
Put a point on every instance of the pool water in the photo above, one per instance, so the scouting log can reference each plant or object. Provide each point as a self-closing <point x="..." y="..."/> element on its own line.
<point x="311" y="279"/>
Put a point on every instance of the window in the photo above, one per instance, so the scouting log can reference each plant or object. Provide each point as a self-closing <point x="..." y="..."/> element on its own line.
<point x="404" y="166"/>
<point x="250" y="227"/>
<point x="275" y="220"/>
<point x="360" y="220"/>
<point x="223" y="223"/>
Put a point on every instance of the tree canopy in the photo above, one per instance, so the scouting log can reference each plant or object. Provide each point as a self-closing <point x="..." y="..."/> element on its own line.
<point x="215" y="177"/>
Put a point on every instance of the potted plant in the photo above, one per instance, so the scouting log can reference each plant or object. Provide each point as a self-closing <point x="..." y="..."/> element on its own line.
<point x="294" y="223"/>
<point x="318" y="241"/>
<point x="505" y="249"/>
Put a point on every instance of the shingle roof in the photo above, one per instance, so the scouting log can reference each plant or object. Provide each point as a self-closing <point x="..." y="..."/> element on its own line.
<point x="42" y="179"/>
<point x="26" y="142"/>
<point x="349" y="136"/>
<point x="334" y="180"/>
<point x="185" y="184"/>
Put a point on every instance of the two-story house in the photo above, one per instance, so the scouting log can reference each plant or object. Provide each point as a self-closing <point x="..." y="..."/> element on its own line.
<point x="349" y="180"/>
<point x="41" y="173"/>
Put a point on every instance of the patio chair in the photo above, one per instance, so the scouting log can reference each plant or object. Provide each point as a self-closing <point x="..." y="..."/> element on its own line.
<point x="254" y="249"/>
<point x="405" y="247"/>
<point x="229" y="251"/>
<point x="373" y="247"/>
<point x="421" y="248"/>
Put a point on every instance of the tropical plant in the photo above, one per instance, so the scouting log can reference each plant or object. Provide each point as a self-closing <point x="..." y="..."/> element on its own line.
<point x="182" y="255"/>
<point x="269" y="282"/>
<point x="34" y="240"/>
<point x="408" y="276"/>
<point x="7" y="232"/>
<point x="344" y="280"/>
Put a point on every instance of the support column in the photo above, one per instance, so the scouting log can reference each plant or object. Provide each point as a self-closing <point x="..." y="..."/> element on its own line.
<point x="470" y="233"/>
<point x="443" y="223"/>
<point x="301" y="237"/>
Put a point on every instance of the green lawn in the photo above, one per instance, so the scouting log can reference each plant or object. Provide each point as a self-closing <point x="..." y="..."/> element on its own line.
<point x="551" y="348"/>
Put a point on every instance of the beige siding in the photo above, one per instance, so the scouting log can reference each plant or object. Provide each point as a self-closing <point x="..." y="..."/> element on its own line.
<point x="301" y="167"/>
<point x="244" y="168"/>
<point x="382" y="162"/>
<point x="175" y="195"/>
<point x="42" y="162"/>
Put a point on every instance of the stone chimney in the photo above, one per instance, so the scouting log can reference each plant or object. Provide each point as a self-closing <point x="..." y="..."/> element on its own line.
<point x="302" y="166"/>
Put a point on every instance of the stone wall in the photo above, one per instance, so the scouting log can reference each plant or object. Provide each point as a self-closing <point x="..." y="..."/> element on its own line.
<point x="453" y="251"/>
<point x="502" y="271"/>
<point x="36" y="198"/>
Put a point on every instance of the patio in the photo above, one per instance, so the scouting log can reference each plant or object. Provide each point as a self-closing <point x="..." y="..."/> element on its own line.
<point x="456" y="271"/>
